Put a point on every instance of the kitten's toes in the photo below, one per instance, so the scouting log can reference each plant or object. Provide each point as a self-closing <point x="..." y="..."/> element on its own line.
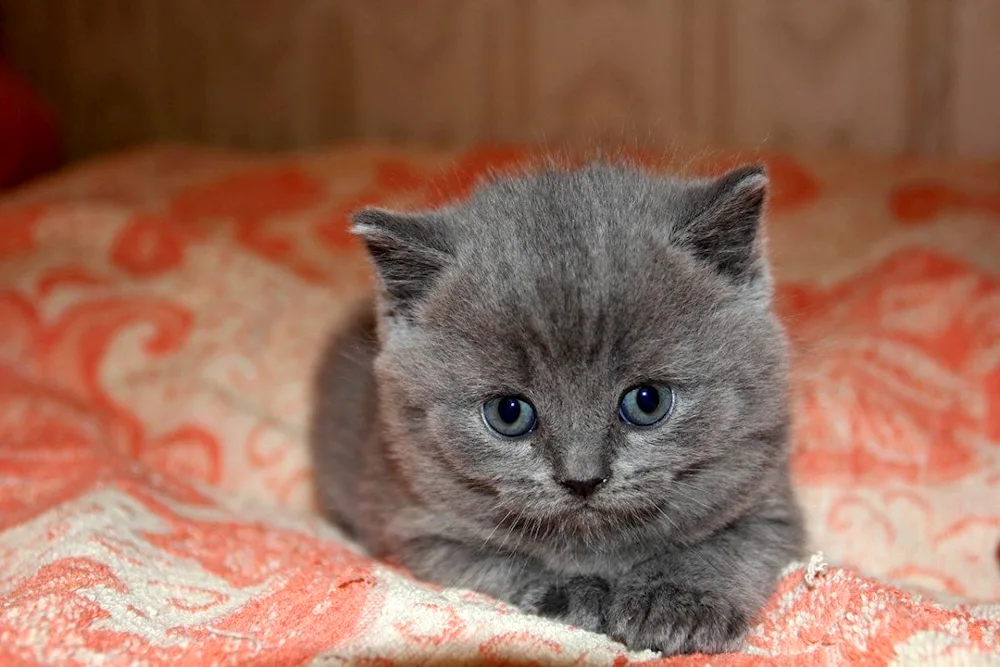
<point x="675" y="620"/>
<point x="579" y="601"/>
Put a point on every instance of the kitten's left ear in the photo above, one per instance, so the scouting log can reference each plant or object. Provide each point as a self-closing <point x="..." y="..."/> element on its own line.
<point x="725" y="222"/>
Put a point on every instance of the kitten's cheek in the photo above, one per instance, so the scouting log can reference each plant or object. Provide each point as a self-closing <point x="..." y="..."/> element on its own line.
<point x="466" y="434"/>
<point x="465" y="441"/>
<point x="642" y="447"/>
<point x="540" y="473"/>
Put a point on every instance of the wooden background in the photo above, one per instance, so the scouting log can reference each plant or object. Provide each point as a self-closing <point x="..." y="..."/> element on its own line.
<point x="877" y="76"/>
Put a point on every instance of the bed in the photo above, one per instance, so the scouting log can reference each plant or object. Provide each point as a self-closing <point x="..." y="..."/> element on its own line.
<point x="160" y="314"/>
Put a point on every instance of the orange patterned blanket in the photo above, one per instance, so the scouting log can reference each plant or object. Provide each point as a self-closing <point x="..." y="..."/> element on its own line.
<point x="160" y="313"/>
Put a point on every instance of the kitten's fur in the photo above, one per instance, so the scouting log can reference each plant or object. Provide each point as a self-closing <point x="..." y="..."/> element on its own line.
<point x="567" y="287"/>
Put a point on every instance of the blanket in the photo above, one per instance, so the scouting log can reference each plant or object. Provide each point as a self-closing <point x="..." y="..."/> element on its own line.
<point x="161" y="312"/>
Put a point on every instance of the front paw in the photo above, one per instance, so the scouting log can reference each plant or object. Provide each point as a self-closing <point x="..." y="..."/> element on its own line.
<point x="578" y="601"/>
<point x="664" y="616"/>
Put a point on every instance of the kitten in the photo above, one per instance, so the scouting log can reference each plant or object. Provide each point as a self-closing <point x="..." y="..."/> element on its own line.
<point x="571" y="395"/>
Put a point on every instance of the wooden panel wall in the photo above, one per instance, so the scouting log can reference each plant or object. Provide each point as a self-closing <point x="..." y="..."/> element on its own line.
<point x="879" y="76"/>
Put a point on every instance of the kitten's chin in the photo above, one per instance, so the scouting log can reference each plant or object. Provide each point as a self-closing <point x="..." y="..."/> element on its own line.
<point x="588" y="520"/>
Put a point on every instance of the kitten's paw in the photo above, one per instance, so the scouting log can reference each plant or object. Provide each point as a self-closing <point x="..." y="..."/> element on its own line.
<point x="578" y="601"/>
<point x="663" y="616"/>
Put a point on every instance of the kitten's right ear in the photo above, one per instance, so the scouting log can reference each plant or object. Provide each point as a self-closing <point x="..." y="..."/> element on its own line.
<point x="408" y="250"/>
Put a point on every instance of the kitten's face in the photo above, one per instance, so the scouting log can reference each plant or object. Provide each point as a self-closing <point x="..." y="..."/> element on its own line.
<point x="580" y="363"/>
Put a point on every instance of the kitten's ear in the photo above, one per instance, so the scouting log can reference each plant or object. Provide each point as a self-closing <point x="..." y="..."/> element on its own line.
<point x="409" y="250"/>
<point x="725" y="226"/>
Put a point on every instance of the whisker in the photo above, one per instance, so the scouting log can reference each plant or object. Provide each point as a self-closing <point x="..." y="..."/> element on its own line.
<point x="677" y="489"/>
<point x="495" y="528"/>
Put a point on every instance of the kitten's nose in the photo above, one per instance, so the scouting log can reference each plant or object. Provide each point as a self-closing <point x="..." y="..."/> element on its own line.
<point x="583" y="487"/>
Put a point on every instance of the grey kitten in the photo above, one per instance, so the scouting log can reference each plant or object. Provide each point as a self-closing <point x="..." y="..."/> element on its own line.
<point x="571" y="395"/>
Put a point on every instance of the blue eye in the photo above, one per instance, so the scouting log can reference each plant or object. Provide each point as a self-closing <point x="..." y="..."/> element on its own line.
<point x="509" y="416"/>
<point x="646" y="405"/>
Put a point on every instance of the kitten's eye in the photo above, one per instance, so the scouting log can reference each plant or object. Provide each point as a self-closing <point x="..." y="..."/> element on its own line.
<point x="646" y="404"/>
<point x="509" y="416"/>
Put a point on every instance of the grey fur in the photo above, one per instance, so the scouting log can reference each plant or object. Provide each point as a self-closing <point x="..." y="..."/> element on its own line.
<point x="567" y="287"/>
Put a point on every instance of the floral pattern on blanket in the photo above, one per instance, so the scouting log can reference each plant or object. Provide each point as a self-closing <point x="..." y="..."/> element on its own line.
<point x="160" y="314"/>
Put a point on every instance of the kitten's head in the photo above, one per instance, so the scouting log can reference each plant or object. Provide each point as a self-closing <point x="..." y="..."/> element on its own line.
<point x="588" y="352"/>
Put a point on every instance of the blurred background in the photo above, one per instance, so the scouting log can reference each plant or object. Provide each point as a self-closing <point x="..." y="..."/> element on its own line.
<point x="883" y="77"/>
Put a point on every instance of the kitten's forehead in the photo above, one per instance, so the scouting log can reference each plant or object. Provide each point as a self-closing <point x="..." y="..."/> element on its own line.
<point x="554" y="206"/>
<point x="573" y="235"/>
<point x="580" y="242"/>
<point x="557" y="311"/>
<point x="561" y="271"/>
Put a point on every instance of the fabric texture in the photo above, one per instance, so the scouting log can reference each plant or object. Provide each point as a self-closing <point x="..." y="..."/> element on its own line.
<point x="160" y="315"/>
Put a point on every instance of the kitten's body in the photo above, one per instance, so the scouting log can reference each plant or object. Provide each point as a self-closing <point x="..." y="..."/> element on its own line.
<point x="567" y="288"/>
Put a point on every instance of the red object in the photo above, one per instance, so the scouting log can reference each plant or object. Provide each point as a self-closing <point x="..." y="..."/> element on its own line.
<point x="29" y="138"/>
